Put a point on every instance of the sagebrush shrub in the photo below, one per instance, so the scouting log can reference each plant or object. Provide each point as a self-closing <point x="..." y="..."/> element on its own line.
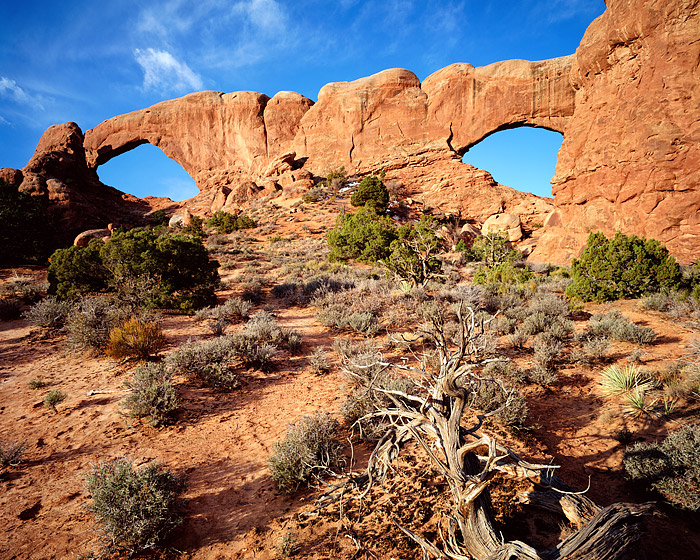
<point x="309" y="447"/>
<point x="11" y="453"/>
<point x="135" y="508"/>
<point x="489" y="396"/>
<point x="614" y="325"/>
<point x="209" y="362"/>
<point x="135" y="338"/>
<point x="49" y="313"/>
<point x="91" y="321"/>
<point x="671" y="467"/>
<point x="153" y="394"/>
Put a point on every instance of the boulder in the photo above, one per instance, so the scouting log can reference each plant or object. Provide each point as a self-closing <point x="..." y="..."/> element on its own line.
<point x="503" y="223"/>
<point x="83" y="239"/>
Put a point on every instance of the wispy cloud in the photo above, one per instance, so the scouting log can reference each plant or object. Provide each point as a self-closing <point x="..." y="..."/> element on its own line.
<point x="264" y="15"/>
<point x="556" y="11"/>
<point x="10" y="90"/>
<point x="164" y="73"/>
<point x="4" y="121"/>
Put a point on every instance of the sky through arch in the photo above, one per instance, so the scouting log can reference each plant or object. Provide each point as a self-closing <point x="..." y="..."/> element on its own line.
<point x="147" y="171"/>
<point x="522" y="158"/>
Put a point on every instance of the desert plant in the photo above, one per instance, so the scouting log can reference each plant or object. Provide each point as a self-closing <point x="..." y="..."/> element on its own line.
<point x="616" y="380"/>
<point x="365" y="236"/>
<point x="153" y="394"/>
<point x="624" y="266"/>
<point x="225" y="222"/>
<point x="372" y="193"/>
<point x="510" y="407"/>
<point x="179" y="265"/>
<point x="319" y="362"/>
<point x="135" y="338"/>
<point x="36" y="383"/>
<point x="11" y="453"/>
<point x="135" y="508"/>
<point x="91" y="321"/>
<point x="309" y="447"/>
<point x="49" y="313"/>
<point x="336" y="179"/>
<point x="26" y="234"/>
<point x="671" y="467"/>
<point x="54" y="397"/>
<point x="287" y="546"/>
<point x="614" y="325"/>
<point x="208" y="362"/>
<point x="413" y="254"/>
<point x="491" y="249"/>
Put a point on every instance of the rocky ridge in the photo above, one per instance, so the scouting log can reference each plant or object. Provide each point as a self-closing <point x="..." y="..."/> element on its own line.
<point x="626" y="103"/>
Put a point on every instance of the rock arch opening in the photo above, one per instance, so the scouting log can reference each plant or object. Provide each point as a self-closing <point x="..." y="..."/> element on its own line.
<point x="522" y="158"/>
<point x="145" y="170"/>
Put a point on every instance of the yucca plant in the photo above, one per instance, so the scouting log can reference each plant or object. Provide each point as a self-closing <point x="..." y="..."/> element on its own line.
<point x="636" y="403"/>
<point x="616" y="380"/>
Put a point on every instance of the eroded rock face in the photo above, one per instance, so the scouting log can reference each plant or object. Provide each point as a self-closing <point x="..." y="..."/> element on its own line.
<point x="59" y="173"/>
<point x="626" y="102"/>
<point x="630" y="159"/>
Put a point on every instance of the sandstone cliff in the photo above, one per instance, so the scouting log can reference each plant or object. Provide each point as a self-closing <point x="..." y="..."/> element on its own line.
<point x="626" y="103"/>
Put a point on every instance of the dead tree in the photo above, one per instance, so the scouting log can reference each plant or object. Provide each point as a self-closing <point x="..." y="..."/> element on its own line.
<point x="468" y="460"/>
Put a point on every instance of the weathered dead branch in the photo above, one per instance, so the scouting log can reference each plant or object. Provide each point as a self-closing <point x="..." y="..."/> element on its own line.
<point x="469" y="460"/>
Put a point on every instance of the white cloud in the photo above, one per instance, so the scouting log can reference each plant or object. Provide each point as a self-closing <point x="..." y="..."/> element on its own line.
<point x="4" y="121"/>
<point x="163" y="72"/>
<point x="10" y="89"/>
<point x="265" y="15"/>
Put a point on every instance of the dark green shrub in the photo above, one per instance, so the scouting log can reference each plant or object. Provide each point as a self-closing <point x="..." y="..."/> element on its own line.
<point x="25" y="227"/>
<point x="503" y="273"/>
<point x="491" y="249"/>
<point x="671" y="467"/>
<point x="177" y="264"/>
<point x="76" y="271"/>
<point x="158" y="218"/>
<point x="364" y="236"/>
<point x="153" y="394"/>
<point x="309" y="447"/>
<point x="135" y="508"/>
<point x="621" y="267"/>
<point x="372" y="193"/>
<point x="135" y="338"/>
<point x="225" y="222"/>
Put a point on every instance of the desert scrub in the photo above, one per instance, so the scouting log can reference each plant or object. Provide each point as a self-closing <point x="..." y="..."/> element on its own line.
<point x="671" y="467"/>
<point x="49" y="313"/>
<point x="54" y="397"/>
<point x="319" y="361"/>
<point x="209" y="362"/>
<point x="153" y="394"/>
<point x="134" y="508"/>
<point x="287" y="546"/>
<point x="308" y="448"/>
<point x="11" y="453"/>
<point x="490" y="395"/>
<point x="136" y="338"/>
<point x="618" y="380"/>
<point x="36" y="383"/>
<point x="614" y="325"/>
<point x="91" y="321"/>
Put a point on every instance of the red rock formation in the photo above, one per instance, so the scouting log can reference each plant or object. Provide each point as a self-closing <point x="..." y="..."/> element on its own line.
<point x="627" y="104"/>
<point x="58" y="172"/>
<point x="630" y="160"/>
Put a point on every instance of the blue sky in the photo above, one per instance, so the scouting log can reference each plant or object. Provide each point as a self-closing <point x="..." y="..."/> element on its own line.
<point x="86" y="61"/>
